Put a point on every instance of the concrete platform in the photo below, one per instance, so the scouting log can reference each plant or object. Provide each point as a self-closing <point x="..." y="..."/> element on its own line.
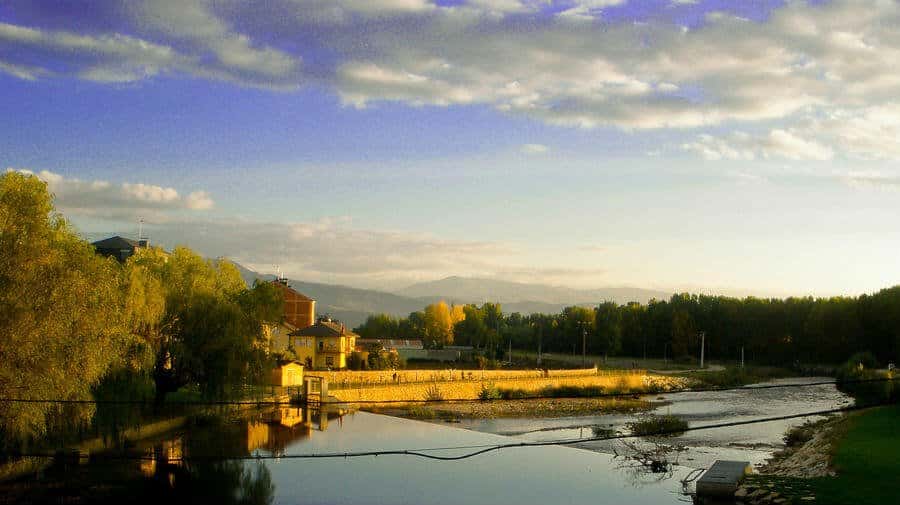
<point x="722" y="479"/>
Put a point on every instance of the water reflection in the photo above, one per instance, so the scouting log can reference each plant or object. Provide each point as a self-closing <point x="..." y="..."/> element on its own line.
<point x="181" y="466"/>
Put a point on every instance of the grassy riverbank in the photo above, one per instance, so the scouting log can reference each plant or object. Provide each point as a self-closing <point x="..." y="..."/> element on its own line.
<point x="736" y="376"/>
<point x="552" y="407"/>
<point x="542" y="398"/>
<point x="867" y="459"/>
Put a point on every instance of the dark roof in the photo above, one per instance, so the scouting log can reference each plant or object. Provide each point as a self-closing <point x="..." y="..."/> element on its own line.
<point x="391" y="343"/>
<point x="324" y="329"/>
<point x="116" y="242"/>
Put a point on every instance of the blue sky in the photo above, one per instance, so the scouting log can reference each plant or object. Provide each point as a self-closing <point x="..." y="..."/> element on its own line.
<point x="734" y="147"/>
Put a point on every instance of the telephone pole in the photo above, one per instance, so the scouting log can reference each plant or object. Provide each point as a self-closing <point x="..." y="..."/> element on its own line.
<point x="583" y="347"/>
<point x="702" y="346"/>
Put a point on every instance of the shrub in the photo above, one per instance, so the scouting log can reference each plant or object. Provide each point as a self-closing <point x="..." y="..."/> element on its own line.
<point x="572" y="391"/>
<point x="422" y="412"/>
<point x="489" y="392"/>
<point x="514" y="394"/>
<point x="433" y="393"/>
<point x="654" y="425"/>
<point x="799" y="435"/>
<point x="866" y="359"/>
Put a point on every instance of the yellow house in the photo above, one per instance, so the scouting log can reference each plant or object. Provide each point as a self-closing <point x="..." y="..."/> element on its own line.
<point x="287" y="373"/>
<point x="324" y="345"/>
<point x="276" y="336"/>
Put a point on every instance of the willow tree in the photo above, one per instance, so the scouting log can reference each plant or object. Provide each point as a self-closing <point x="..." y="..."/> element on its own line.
<point x="60" y="313"/>
<point x="203" y="325"/>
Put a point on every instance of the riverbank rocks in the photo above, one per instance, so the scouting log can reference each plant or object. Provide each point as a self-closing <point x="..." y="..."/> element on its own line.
<point x="807" y="461"/>
<point x="761" y="493"/>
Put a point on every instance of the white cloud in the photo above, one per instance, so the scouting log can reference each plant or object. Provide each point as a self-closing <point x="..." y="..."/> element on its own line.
<point x="192" y="20"/>
<point x="867" y="133"/>
<point x="777" y="143"/>
<point x="872" y="181"/>
<point x="331" y="250"/>
<point x="102" y="199"/>
<point x="534" y="149"/>
<point x="24" y="72"/>
<point x="871" y="133"/>
<point x="805" y="60"/>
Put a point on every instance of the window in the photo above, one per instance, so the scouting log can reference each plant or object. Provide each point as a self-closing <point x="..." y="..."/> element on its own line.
<point x="329" y="361"/>
<point x="321" y="345"/>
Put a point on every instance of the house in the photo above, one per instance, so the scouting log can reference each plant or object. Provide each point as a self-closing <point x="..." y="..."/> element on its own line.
<point x="287" y="373"/>
<point x="324" y="345"/>
<point x="120" y="248"/>
<point x="299" y="309"/>
<point x="276" y="336"/>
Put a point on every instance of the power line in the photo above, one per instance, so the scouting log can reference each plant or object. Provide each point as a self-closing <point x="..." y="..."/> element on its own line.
<point x="445" y="400"/>
<point x="481" y="449"/>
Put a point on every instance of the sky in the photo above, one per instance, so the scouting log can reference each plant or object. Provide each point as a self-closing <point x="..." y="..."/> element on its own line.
<point x="745" y="147"/>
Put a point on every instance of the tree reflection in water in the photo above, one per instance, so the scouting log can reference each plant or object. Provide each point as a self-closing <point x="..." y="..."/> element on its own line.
<point x="181" y="467"/>
<point x="647" y="461"/>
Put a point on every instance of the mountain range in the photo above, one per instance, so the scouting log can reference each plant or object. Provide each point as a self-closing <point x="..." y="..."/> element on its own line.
<point x="352" y="305"/>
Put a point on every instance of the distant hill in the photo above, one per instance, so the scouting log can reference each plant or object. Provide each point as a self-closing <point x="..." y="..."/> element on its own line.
<point x="349" y="305"/>
<point x="353" y="305"/>
<point x="474" y="290"/>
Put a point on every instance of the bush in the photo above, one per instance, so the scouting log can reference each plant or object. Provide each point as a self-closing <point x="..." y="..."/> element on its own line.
<point x="866" y="359"/>
<point x="653" y="425"/>
<point x="433" y="393"/>
<point x="422" y="412"/>
<point x="489" y="392"/>
<point x="514" y="394"/>
<point x="799" y="435"/>
<point x="572" y="391"/>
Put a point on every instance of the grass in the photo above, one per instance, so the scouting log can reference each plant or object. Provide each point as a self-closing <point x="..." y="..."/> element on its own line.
<point x="652" y="424"/>
<point x="566" y="391"/>
<point x="867" y="459"/>
<point x="736" y="376"/>
<point x="578" y="390"/>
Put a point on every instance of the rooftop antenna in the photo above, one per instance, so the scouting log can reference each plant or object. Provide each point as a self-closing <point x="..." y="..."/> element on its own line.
<point x="142" y="240"/>
<point x="279" y="276"/>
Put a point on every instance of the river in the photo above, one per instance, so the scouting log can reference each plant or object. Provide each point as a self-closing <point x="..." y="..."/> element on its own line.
<point x="181" y="466"/>
<point x="754" y="443"/>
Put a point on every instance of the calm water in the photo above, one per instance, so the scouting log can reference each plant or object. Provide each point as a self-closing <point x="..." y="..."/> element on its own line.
<point x="521" y="475"/>
<point x="589" y="473"/>
<point x="754" y="443"/>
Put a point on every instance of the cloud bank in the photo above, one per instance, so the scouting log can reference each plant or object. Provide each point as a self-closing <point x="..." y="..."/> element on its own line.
<point x="804" y="63"/>
<point x="128" y="201"/>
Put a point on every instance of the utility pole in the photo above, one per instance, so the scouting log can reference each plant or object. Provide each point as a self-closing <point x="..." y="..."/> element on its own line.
<point x="702" y="346"/>
<point x="583" y="347"/>
<point x="742" y="356"/>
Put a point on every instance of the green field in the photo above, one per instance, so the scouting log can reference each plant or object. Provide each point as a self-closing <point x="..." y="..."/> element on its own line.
<point x="867" y="459"/>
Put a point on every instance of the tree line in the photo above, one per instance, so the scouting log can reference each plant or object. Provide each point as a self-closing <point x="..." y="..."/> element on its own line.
<point x="769" y="331"/>
<point x="79" y="326"/>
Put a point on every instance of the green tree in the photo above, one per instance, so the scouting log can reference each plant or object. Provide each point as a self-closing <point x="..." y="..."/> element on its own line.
<point x="608" y="324"/>
<point x="379" y="326"/>
<point x="61" y="328"/>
